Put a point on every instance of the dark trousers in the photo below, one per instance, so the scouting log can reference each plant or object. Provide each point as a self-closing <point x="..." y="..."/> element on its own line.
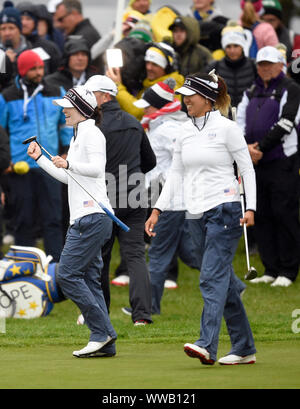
<point x="132" y="248"/>
<point x="36" y="197"/>
<point x="79" y="272"/>
<point x="277" y="226"/>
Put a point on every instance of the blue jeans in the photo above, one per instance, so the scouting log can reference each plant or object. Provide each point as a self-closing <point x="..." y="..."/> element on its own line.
<point x="80" y="271"/>
<point x="216" y="236"/>
<point x="172" y="237"/>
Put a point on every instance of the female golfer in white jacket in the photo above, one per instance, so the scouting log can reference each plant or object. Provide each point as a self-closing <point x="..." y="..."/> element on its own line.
<point x="203" y="162"/>
<point x="80" y="263"/>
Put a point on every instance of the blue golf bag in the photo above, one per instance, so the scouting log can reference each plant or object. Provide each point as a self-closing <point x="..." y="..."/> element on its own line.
<point x="28" y="285"/>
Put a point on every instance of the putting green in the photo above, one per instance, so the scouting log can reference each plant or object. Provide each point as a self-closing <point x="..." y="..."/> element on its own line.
<point x="147" y="366"/>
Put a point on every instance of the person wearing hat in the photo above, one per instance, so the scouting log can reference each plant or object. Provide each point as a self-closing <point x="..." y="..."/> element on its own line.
<point x="80" y="262"/>
<point x="160" y="61"/>
<point x="12" y="42"/>
<point x="128" y="153"/>
<point x="272" y="14"/>
<point x="29" y="17"/>
<point x="162" y="120"/>
<point x="260" y="33"/>
<point x="26" y="109"/>
<point x="269" y="114"/>
<point x="238" y="70"/>
<point x="193" y="57"/>
<point x="208" y="145"/>
<point x="76" y="67"/>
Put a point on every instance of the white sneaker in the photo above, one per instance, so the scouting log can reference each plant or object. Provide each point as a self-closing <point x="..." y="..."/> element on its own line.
<point x="237" y="360"/>
<point x="120" y="281"/>
<point x="92" y="347"/>
<point x="170" y="285"/>
<point x="282" y="281"/>
<point x="264" y="279"/>
<point x="193" y="351"/>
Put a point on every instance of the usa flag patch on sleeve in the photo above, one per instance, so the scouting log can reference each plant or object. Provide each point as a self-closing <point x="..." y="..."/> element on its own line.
<point x="88" y="203"/>
<point x="229" y="192"/>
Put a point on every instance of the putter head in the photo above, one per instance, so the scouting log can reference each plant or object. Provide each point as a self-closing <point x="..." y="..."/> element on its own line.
<point x="29" y="140"/>
<point x="251" y="274"/>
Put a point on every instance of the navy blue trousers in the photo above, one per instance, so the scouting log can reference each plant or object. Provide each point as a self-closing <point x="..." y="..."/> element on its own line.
<point x="80" y="271"/>
<point x="216" y="236"/>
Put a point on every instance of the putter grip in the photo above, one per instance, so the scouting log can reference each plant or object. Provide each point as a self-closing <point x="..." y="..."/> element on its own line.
<point x="115" y="219"/>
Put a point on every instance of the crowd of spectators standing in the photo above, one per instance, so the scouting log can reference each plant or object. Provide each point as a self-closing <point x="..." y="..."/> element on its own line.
<point x="45" y="51"/>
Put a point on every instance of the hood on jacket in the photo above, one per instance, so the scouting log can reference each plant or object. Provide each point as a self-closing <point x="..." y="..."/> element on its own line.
<point x="192" y="28"/>
<point x="73" y="45"/>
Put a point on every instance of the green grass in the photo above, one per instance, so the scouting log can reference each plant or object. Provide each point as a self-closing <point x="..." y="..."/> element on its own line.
<point x="38" y="353"/>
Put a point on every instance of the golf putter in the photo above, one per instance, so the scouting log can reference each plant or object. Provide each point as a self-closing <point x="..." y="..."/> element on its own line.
<point x="122" y="225"/>
<point x="251" y="273"/>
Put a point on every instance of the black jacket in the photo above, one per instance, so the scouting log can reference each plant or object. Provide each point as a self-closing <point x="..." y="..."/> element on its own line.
<point x="87" y="31"/>
<point x="126" y="144"/>
<point x="238" y="75"/>
<point x="63" y="77"/>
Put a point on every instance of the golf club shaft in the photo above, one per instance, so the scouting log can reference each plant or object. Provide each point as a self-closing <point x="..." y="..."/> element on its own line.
<point x="245" y="231"/>
<point x="107" y="211"/>
<point x="242" y="196"/>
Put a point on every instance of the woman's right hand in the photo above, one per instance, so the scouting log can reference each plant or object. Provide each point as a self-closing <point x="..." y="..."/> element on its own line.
<point x="151" y="222"/>
<point x="34" y="151"/>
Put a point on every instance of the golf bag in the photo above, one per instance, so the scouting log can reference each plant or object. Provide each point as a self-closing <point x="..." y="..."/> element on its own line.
<point x="28" y="285"/>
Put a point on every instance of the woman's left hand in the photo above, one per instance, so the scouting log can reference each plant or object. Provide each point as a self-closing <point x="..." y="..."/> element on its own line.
<point x="248" y="218"/>
<point x="59" y="162"/>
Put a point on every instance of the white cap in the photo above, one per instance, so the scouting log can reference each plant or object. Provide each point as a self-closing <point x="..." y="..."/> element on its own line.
<point x="80" y="98"/>
<point x="270" y="54"/>
<point x="101" y="83"/>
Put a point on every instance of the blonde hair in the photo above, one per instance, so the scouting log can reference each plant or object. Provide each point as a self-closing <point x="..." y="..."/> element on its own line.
<point x="223" y="101"/>
<point x="249" y="16"/>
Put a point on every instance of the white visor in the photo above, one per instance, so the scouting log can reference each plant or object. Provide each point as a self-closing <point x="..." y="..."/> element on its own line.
<point x="185" y="91"/>
<point x="141" y="103"/>
<point x="63" y="102"/>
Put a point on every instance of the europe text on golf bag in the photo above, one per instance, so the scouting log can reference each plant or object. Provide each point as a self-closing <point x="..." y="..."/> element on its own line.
<point x="28" y="285"/>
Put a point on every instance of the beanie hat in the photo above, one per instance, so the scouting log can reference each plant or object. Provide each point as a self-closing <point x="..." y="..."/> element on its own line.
<point x="27" y="60"/>
<point x="257" y="4"/>
<point x="195" y="85"/>
<point x="80" y="98"/>
<point x="142" y="31"/>
<point x="161" y="54"/>
<point x="159" y="95"/>
<point x="272" y="7"/>
<point x="233" y="33"/>
<point x="11" y="15"/>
